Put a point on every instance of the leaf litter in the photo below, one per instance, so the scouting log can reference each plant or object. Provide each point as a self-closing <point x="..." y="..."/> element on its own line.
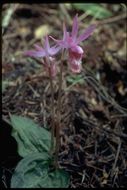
<point x="94" y="111"/>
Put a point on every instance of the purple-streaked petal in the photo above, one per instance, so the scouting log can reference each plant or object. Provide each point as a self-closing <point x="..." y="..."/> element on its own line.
<point x="53" y="50"/>
<point x="64" y="42"/>
<point x="75" y="27"/>
<point x="33" y="53"/>
<point x="46" y="45"/>
<point x="65" y="34"/>
<point x="60" y="43"/>
<point x="55" y="40"/>
<point x="86" y="34"/>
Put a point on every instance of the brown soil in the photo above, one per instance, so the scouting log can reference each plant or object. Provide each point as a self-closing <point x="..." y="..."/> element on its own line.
<point x="94" y="111"/>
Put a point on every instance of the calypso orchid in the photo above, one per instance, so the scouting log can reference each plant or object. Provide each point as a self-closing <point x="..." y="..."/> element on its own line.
<point x="47" y="54"/>
<point x="71" y="41"/>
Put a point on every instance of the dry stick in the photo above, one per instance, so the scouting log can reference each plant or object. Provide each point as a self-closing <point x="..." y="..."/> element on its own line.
<point x="109" y="20"/>
<point x="116" y="158"/>
<point x="113" y="19"/>
<point x="118" y="149"/>
<point x="59" y="114"/>
<point x="8" y="16"/>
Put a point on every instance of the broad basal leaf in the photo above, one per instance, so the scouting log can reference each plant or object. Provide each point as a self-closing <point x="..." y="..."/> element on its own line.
<point x="34" y="172"/>
<point x="29" y="136"/>
<point x="94" y="9"/>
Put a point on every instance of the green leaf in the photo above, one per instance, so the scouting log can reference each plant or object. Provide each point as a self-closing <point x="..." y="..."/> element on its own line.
<point x="75" y="79"/>
<point x="94" y="9"/>
<point x="5" y="84"/>
<point x="29" y="136"/>
<point x="34" y="172"/>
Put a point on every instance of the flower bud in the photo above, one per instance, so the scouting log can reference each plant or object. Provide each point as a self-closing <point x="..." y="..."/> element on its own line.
<point x="51" y="66"/>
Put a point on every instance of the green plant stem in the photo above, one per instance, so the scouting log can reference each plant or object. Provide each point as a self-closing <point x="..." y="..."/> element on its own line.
<point x="52" y="110"/>
<point x="58" y="124"/>
<point x="52" y="115"/>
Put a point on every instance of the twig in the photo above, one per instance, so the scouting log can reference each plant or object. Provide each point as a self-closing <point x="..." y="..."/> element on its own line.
<point x="6" y="19"/>
<point x="112" y="19"/>
<point x="83" y="16"/>
<point x="103" y="128"/>
<point x="65" y="12"/>
<point x="118" y="149"/>
<point x="99" y="88"/>
<point x="116" y="158"/>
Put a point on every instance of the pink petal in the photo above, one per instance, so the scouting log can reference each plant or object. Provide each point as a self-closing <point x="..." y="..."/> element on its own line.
<point x="64" y="43"/>
<point x="55" y="40"/>
<point x="65" y="34"/>
<point x="60" y="43"/>
<point x="75" y="27"/>
<point x="86" y="34"/>
<point x="53" y="50"/>
<point x="34" y="53"/>
<point x="46" y="45"/>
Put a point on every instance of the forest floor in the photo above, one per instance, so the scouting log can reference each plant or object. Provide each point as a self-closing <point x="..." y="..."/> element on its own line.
<point x="94" y="104"/>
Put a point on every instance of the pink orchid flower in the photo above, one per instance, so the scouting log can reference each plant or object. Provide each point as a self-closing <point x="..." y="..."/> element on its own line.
<point x="71" y="41"/>
<point x="47" y="52"/>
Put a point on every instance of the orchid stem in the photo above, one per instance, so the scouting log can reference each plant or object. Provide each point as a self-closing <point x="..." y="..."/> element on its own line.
<point x="52" y="112"/>
<point x="58" y="124"/>
<point x="52" y="116"/>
